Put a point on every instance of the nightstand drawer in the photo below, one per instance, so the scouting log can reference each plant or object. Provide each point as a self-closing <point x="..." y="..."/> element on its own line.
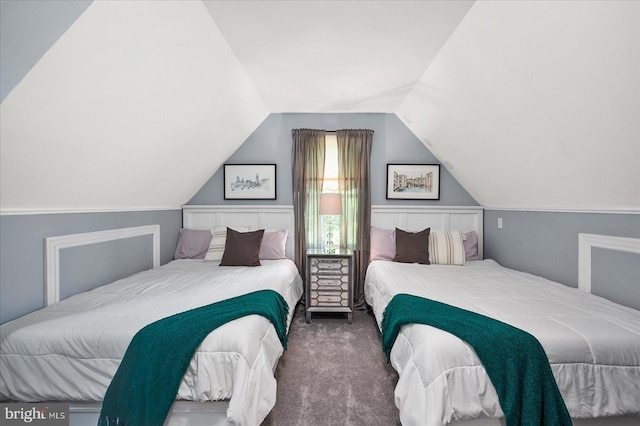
<point x="329" y="298"/>
<point x="337" y="281"/>
<point x="329" y="266"/>
<point x="340" y="287"/>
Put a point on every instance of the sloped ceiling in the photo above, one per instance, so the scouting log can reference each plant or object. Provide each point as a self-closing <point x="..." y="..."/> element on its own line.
<point x="537" y="104"/>
<point x="336" y="56"/>
<point x="137" y="104"/>
<point x="28" y="28"/>
<point x="134" y="107"/>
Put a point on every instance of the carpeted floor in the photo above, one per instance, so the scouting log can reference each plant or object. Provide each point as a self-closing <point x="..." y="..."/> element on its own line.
<point x="334" y="373"/>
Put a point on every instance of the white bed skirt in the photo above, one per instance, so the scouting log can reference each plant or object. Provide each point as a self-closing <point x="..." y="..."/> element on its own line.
<point x="183" y="413"/>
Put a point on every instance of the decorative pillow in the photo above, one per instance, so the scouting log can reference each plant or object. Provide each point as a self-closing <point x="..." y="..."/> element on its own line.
<point x="216" y="247"/>
<point x="446" y="248"/>
<point x="242" y="248"/>
<point x="470" y="245"/>
<point x="412" y="247"/>
<point x="192" y="244"/>
<point x="273" y="245"/>
<point x="383" y="244"/>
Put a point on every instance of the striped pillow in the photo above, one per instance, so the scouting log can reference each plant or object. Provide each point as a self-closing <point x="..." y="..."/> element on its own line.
<point x="219" y="240"/>
<point x="446" y="248"/>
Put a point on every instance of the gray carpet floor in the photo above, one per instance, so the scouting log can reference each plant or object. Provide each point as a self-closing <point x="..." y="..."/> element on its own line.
<point x="334" y="373"/>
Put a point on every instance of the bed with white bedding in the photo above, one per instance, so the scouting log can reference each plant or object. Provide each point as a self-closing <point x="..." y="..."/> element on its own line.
<point x="593" y="345"/>
<point x="70" y="350"/>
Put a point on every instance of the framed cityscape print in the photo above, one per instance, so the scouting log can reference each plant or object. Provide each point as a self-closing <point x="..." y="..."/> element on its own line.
<point x="249" y="181"/>
<point x="413" y="181"/>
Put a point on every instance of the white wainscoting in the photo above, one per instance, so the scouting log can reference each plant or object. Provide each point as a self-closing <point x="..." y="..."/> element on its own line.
<point x="588" y="241"/>
<point x="53" y="245"/>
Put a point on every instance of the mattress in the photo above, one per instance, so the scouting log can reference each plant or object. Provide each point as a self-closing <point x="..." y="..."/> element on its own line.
<point x="593" y="345"/>
<point x="71" y="350"/>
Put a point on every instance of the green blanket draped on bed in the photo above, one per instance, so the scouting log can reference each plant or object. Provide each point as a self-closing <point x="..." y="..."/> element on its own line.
<point x="147" y="381"/>
<point x="514" y="360"/>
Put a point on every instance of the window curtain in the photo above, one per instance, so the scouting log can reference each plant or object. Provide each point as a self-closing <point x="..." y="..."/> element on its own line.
<point x="308" y="156"/>
<point x="354" y="153"/>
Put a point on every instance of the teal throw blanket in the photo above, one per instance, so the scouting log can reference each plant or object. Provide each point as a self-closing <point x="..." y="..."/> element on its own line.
<point x="147" y="381"/>
<point x="514" y="360"/>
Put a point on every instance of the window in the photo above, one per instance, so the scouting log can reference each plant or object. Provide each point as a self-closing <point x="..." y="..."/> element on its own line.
<point x="330" y="182"/>
<point x="352" y="189"/>
<point x="330" y="222"/>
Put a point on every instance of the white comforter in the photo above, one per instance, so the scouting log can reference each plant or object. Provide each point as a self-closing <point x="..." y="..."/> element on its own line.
<point x="70" y="350"/>
<point x="593" y="344"/>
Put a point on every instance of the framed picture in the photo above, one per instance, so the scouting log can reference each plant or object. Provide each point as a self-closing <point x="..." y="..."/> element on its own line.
<point x="249" y="181"/>
<point x="413" y="181"/>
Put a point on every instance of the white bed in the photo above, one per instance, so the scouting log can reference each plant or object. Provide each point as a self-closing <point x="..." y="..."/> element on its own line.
<point x="593" y="344"/>
<point x="70" y="350"/>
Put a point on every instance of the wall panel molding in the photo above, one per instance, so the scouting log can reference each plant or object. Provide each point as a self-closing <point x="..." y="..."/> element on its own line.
<point x="53" y="246"/>
<point x="588" y="241"/>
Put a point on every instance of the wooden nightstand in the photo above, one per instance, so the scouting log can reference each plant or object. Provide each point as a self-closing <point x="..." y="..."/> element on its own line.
<point x="329" y="283"/>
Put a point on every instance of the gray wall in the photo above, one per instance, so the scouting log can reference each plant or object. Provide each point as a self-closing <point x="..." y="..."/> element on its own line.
<point x="22" y="253"/>
<point x="86" y="267"/>
<point x="393" y="142"/>
<point x="546" y="244"/>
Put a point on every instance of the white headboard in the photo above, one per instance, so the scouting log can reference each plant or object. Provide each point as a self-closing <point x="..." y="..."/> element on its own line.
<point x="254" y="216"/>
<point x="410" y="218"/>
<point x="438" y="218"/>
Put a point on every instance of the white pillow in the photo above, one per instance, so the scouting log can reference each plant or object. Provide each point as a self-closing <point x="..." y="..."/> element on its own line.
<point x="219" y="240"/>
<point x="446" y="248"/>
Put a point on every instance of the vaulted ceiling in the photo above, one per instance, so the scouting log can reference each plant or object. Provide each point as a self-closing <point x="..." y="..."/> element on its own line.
<point x="134" y="105"/>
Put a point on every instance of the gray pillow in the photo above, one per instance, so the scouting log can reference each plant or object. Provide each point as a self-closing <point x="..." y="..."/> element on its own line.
<point x="470" y="244"/>
<point x="412" y="247"/>
<point x="192" y="244"/>
<point x="242" y="248"/>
